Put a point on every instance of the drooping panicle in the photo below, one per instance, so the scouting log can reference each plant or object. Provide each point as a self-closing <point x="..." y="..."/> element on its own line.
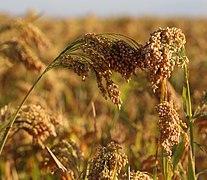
<point x="113" y="92"/>
<point x="109" y="52"/>
<point x="103" y="54"/>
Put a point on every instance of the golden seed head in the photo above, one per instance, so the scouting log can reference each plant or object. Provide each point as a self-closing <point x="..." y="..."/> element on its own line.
<point x="109" y="160"/>
<point x="140" y="176"/>
<point x="162" y="52"/>
<point x="68" y="153"/>
<point x="18" y="51"/>
<point x="38" y="122"/>
<point x="169" y="126"/>
<point x="27" y="32"/>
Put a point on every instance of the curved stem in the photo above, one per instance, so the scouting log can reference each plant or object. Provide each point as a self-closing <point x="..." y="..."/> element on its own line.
<point x="53" y="64"/>
<point x="9" y="128"/>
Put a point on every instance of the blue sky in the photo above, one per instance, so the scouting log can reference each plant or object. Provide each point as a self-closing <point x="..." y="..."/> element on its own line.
<point x="61" y="8"/>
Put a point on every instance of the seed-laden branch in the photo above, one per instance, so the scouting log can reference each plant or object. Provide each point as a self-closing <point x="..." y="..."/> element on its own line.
<point x="104" y="54"/>
<point x="162" y="52"/>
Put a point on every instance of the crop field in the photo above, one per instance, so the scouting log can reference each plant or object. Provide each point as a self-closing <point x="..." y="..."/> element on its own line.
<point x="103" y="98"/>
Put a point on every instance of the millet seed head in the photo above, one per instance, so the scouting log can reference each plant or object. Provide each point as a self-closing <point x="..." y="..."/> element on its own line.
<point x="103" y="55"/>
<point x="169" y="126"/>
<point x="18" y="51"/>
<point x="109" y="160"/>
<point x="38" y="122"/>
<point x="68" y="153"/>
<point x="162" y="52"/>
<point x="138" y="175"/>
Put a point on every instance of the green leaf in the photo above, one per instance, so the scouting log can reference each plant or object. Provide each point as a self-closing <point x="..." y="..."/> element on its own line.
<point x="201" y="147"/>
<point x="179" y="150"/>
<point x="202" y="104"/>
<point x="184" y="96"/>
<point x="200" y="115"/>
<point x="155" y="173"/>
<point x="166" y="167"/>
<point x="191" y="172"/>
<point x="35" y="170"/>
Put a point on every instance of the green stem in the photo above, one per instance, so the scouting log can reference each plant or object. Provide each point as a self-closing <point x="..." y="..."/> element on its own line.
<point x="164" y="165"/>
<point x="164" y="159"/>
<point x="155" y="165"/>
<point x="191" y="166"/>
<point x="9" y="128"/>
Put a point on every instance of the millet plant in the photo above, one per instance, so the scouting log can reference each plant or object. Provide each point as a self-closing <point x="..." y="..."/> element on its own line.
<point x="103" y="55"/>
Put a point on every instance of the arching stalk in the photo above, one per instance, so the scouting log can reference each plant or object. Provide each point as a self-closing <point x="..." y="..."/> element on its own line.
<point x="12" y="121"/>
<point x="53" y="64"/>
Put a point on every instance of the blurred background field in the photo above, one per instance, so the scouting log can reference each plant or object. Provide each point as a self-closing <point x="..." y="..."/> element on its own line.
<point x="73" y="101"/>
